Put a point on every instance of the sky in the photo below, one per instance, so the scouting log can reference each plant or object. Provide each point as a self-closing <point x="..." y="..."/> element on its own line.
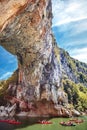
<point x="70" y="30"/>
<point x="70" y="26"/>
<point x="8" y="64"/>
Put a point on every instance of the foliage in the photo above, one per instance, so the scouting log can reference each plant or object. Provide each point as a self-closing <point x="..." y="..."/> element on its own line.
<point x="82" y="77"/>
<point x="77" y="94"/>
<point x="5" y="84"/>
<point x="56" y="49"/>
<point x="57" y="53"/>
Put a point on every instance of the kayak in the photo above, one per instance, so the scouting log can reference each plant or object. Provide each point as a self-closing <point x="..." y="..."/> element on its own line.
<point x="67" y="124"/>
<point x="11" y="122"/>
<point x="5" y="121"/>
<point x="14" y="122"/>
<point x="45" y="122"/>
<point x="77" y="120"/>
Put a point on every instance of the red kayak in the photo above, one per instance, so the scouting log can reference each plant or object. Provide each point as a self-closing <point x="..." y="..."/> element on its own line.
<point x="11" y="122"/>
<point x="45" y="122"/>
<point x="6" y="121"/>
<point x="14" y="122"/>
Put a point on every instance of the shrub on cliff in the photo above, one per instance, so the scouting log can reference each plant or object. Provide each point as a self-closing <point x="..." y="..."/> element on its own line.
<point x="77" y="94"/>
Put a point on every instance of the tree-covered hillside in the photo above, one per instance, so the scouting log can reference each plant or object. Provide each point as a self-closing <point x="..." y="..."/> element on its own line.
<point x="74" y="78"/>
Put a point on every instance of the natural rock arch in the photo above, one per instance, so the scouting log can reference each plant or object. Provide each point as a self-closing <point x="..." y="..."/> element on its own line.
<point x="25" y="31"/>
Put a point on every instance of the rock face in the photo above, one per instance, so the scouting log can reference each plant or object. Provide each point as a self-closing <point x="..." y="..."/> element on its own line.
<point x="73" y="69"/>
<point x="26" y="32"/>
<point x="74" y="79"/>
<point x="7" y="111"/>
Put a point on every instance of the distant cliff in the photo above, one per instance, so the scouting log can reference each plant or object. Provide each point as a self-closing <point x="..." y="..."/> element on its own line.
<point x="74" y="78"/>
<point x="38" y="87"/>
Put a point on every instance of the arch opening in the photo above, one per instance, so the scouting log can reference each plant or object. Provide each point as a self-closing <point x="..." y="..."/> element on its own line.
<point x="8" y="64"/>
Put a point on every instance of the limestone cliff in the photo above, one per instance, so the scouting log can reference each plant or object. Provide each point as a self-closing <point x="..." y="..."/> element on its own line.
<point x="74" y="78"/>
<point x="35" y="88"/>
<point x="71" y="68"/>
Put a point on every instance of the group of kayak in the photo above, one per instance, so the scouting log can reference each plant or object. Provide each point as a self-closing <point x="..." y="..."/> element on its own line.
<point x="62" y="123"/>
<point x="44" y="122"/>
<point x="72" y="122"/>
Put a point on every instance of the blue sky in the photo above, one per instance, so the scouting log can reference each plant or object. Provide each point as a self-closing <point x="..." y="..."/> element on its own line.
<point x="70" y="26"/>
<point x="8" y="64"/>
<point x="70" y="29"/>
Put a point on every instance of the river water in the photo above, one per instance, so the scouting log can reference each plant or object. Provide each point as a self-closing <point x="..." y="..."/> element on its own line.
<point x="31" y="124"/>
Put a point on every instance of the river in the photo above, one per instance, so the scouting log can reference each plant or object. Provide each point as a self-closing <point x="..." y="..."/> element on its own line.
<point x="31" y="124"/>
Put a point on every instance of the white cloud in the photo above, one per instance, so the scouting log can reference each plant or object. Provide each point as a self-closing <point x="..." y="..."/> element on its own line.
<point x="78" y="27"/>
<point x="6" y="75"/>
<point x="80" y="54"/>
<point x="81" y="57"/>
<point x="80" y="51"/>
<point x="74" y="28"/>
<point x="70" y="22"/>
<point x="68" y="11"/>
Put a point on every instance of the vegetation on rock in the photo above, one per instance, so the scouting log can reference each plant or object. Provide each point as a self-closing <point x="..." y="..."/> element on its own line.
<point x="77" y="94"/>
<point x="5" y="83"/>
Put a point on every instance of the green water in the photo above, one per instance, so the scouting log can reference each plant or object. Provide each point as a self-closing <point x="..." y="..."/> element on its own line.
<point x="30" y="124"/>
